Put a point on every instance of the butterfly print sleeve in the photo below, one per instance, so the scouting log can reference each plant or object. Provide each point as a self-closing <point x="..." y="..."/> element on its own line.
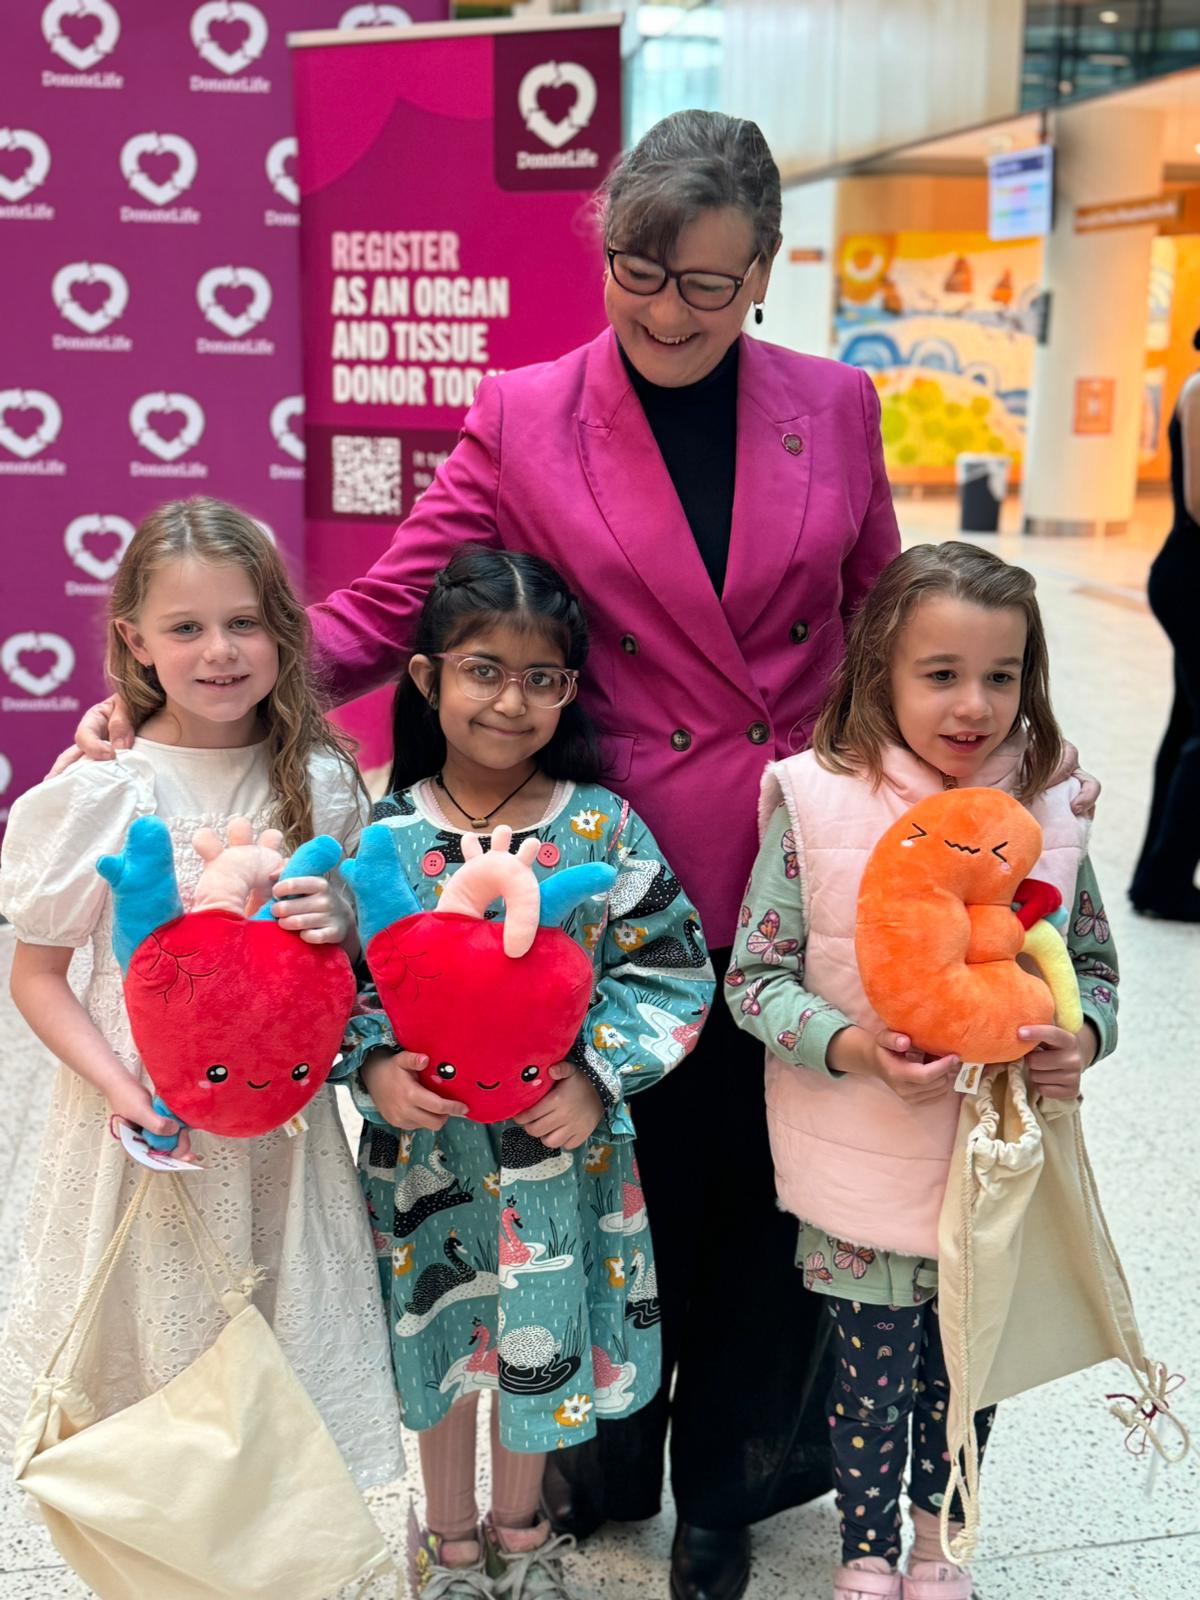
<point x="764" y="987"/>
<point x="1090" y="941"/>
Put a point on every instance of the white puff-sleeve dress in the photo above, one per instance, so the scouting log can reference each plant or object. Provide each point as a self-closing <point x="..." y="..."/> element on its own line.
<point x="292" y="1205"/>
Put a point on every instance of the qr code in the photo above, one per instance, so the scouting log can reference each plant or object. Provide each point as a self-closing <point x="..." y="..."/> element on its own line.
<point x="366" y="475"/>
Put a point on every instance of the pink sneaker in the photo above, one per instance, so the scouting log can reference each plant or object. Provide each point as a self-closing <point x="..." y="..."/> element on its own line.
<point x="938" y="1580"/>
<point x="852" y="1583"/>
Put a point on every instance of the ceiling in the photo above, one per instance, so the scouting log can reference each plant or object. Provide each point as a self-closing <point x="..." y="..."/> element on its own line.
<point x="965" y="154"/>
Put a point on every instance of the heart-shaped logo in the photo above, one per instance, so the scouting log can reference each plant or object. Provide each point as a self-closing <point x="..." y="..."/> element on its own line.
<point x="40" y="419"/>
<point x="229" y="34"/>
<point x="16" y="183"/>
<point x="222" y="290"/>
<point x="114" y="534"/>
<point x="158" y="166"/>
<point x="282" y="181"/>
<point x="550" y="76"/>
<point x="375" y="17"/>
<point x="166" y="447"/>
<point x="59" y="669"/>
<point x="5" y="774"/>
<point x="282" y="414"/>
<point x="81" y="32"/>
<point x="105" y="294"/>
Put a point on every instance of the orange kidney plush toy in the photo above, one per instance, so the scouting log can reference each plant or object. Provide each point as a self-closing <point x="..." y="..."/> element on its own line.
<point x="942" y="918"/>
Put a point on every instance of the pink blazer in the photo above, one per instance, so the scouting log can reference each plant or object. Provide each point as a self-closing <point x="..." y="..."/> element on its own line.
<point x="695" y="692"/>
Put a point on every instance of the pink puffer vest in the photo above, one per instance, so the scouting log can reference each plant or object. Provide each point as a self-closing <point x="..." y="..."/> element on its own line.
<point x="851" y="1156"/>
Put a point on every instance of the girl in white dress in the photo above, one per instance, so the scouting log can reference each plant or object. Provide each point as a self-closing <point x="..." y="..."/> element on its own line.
<point x="208" y="645"/>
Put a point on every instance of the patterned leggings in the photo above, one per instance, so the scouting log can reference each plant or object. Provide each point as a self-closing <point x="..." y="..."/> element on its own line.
<point x="890" y="1368"/>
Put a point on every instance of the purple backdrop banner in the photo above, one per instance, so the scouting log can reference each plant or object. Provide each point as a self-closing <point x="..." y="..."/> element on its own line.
<point x="444" y="177"/>
<point x="149" y="209"/>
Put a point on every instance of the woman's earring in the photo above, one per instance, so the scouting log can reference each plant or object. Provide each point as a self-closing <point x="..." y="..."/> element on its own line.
<point x="758" y="314"/>
<point x="432" y="700"/>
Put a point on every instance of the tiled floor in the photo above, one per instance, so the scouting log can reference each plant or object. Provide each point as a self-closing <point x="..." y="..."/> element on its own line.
<point x="1066" y="1508"/>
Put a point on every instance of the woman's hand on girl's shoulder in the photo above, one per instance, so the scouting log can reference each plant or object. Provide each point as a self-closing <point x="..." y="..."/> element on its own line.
<point x="102" y="731"/>
<point x="393" y="1082"/>
<point x="1084" y="803"/>
<point x="891" y="1058"/>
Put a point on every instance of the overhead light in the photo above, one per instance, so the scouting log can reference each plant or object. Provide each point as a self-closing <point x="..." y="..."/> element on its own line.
<point x="1065" y="86"/>
<point x="1196" y="148"/>
<point x="1109" y="17"/>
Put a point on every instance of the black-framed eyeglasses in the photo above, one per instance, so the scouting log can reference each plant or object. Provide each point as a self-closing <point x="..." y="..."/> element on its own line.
<point x="481" y="678"/>
<point x="703" y="291"/>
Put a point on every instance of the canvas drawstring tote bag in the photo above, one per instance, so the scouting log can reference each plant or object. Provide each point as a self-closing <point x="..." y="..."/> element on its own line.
<point x="224" y="1483"/>
<point x="1030" y="1284"/>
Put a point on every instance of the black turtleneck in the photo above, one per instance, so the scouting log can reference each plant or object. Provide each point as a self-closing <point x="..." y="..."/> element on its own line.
<point x="695" y="428"/>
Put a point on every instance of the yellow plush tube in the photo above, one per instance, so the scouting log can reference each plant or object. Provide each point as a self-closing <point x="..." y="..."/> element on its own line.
<point x="1046" y="946"/>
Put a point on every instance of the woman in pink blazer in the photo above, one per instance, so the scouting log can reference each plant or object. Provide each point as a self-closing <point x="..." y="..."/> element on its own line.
<point x="720" y="505"/>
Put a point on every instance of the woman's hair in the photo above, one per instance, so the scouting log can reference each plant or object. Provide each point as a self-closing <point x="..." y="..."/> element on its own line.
<point x="212" y="531"/>
<point x="479" y="589"/>
<point x="857" y="719"/>
<point x="691" y="161"/>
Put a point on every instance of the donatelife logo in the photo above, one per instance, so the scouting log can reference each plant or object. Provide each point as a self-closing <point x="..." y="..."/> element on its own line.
<point x="234" y="300"/>
<point x="284" y="413"/>
<point x="382" y="16"/>
<point x="90" y="294"/>
<point x="20" y="181"/>
<point x="159" y="167"/>
<point x="167" y="426"/>
<point x="96" y="543"/>
<point x="38" y="663"/>
<point x="229" y="35"/>
<point x="281" y="180"/>
<point x="30" y="420"/>
<point x="557" y="75"/>
<point x="557" y="121"/>
<point x="81" y="32"/>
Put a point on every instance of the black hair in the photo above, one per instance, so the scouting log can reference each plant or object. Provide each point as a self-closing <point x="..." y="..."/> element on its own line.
<point x="480" y="588"/>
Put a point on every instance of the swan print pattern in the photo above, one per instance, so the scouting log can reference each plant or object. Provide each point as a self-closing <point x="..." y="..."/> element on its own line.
<point x="503" y="1264"/>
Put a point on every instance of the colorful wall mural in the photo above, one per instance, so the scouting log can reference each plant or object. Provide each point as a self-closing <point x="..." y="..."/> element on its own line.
<point x="944" y="322"/>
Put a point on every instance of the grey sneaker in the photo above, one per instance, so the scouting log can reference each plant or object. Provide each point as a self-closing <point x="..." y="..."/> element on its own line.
<point x="532" y="1573"/>
<point x="431" y="1579"/>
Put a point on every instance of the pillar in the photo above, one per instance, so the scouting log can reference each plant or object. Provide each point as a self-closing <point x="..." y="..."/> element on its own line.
<point x="1090" y="373"/>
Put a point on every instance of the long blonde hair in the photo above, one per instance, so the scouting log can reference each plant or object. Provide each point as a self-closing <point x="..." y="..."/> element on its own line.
<point x="213" y="531"/>
<point x="857" y="721"/>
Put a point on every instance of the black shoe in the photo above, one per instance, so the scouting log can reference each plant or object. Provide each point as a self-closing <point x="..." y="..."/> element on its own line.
<point x="709" y="1563"/>
<point x="568" y="1507"/>
<point x="1183" y="907"/>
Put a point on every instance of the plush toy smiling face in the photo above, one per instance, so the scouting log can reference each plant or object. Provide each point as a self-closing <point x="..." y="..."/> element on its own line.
<point x="237" y="1021"/>
<point x="490" y="1025"/>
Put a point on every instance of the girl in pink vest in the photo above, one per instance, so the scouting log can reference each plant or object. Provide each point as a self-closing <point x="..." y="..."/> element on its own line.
<point x="944" y="683"/>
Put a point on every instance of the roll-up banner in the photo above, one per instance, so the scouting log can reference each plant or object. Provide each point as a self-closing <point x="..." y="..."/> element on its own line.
<point x="150" y="346"/>
<point x="445" y="234"/>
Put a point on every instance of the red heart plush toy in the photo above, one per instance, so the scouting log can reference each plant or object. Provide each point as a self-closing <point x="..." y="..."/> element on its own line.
<point x="237" y="1021"/>
<point x="492" y="1004"/>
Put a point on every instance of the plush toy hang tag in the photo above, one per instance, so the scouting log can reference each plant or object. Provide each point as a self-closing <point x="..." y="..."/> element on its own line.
<point x="970" y="1075"/>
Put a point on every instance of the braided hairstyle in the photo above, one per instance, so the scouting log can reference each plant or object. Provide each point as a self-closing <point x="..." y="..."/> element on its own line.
<point x="478" y="589"/>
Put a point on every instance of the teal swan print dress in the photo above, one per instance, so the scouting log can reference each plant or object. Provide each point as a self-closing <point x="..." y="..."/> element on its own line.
<point x="506" y="1265"/>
